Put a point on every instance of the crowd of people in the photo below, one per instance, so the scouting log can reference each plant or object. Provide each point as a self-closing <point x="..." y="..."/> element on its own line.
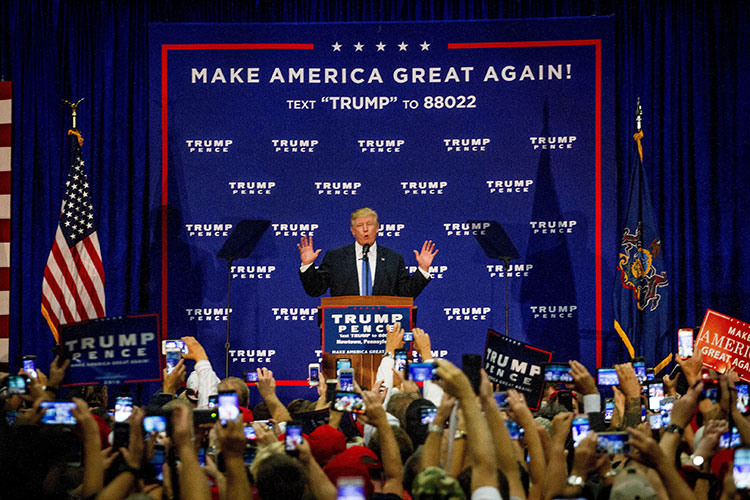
<point x="443" y="439"/>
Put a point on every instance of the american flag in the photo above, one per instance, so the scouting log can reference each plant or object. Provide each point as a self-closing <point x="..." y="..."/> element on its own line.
<point x="73" y="287"/>
<point x="5" y="146"/>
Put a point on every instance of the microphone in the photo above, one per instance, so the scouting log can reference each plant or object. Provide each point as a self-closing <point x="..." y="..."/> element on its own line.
<point x="365" y="249"/>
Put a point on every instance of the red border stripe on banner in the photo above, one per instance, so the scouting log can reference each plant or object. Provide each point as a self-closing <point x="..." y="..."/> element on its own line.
<point x="4" y="182"/>
<point x="597" y="43"/>
<point x="5" y="135"/>
<point x="6" y="90"/>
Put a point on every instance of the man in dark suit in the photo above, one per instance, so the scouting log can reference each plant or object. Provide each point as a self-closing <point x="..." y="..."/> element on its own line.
<point x="364" y="267"/>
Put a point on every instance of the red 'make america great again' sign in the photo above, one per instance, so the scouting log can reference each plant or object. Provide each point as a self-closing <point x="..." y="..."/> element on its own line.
<point x="724" y="342"/>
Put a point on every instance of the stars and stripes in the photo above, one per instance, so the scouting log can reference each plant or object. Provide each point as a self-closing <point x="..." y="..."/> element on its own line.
<point x="73" y="287"/>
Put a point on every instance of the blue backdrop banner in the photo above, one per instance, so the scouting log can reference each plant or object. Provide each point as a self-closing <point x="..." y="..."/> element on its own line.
<point x="433" y="125"/>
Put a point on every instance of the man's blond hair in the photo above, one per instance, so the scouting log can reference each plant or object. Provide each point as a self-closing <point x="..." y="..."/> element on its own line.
<point x="364" y="212"/>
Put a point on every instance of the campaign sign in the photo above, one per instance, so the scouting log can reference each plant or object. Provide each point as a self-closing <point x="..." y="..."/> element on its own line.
<point x="724" y="342"/>
<point x="360" y="329"/>
<point x="516" y="365"/>
<point x="113" y="350"/>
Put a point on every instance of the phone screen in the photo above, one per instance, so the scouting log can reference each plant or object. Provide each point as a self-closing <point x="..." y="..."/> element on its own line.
<point x="685" y="342"/>
<point x="557" y="372"/>
<point x="350" y="402"/>
<point x="581" y="429"/>
<point x="711" y="390"/>
<point x="173" y="357"/>
<point x="515" y="430"/>
<point x="17" y="384"/>
<point x="501" y="398"/>
<point x="346" y="379"/>
<point x="419" y="372"/>
<point x="213" y="399"/>
<point x="342" y="363"/>
<point x="640" y="370"/>
<point x="156" y="424"/>
<point x="654" y="421"/>
<point x="609" y="409"/>
<point x="293" y="438"/>
<point x="612" y="443"/>
<point x="173" y="345"/>
<point x="350" y="488"/>
<point x="29" y="366"/>
<point x="123" y="408"/>
<point x="58" y="413"/>
<point x="408" y="336"/>
<point x="250" y="432"/>
<point x="607" y="376"/>
<point x="741" y="471"/>
<point x="228" y="407"/>
<point x="251" y="376"/>
<point x="655" y="395"/>
<point x="730" y="439"/>
<point x="665" y="407"/>
<point x="743" y="397"/>
<point x="399" y="360"/>
<point x="427" y="415"/>
<point x="313" y="374"/>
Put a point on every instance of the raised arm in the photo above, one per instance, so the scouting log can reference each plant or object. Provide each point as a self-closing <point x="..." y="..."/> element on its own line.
<point x="267" y="389"/>
<point x="232" y="443"/>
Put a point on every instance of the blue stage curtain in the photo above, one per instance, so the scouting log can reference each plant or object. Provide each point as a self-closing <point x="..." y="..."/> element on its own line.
<point x="687" y="61"/>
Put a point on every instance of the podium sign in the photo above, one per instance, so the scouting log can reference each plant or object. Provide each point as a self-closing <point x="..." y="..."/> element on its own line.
<point x="113" y="350"/>
<point x="360" y="329"/>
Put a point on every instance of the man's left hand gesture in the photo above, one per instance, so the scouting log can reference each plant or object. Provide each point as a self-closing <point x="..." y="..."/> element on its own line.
<point x="424" y="257"/>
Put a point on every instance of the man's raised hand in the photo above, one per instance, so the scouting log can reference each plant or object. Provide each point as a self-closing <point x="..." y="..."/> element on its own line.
<point x="306" y="252"/>
<point x="424" y="257"/>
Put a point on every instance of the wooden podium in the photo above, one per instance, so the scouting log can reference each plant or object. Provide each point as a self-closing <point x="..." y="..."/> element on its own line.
<point x="365" y="365"/>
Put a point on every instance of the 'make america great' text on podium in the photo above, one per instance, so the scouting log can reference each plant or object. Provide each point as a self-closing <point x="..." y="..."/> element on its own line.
<point x="355" y="327"/>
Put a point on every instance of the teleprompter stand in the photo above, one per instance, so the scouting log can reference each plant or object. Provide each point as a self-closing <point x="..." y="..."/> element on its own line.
<point x="239" y="245"/>
<point x="497" y="245"/>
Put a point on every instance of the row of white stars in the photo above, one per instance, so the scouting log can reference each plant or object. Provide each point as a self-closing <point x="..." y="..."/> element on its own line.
<point x="358" y="47"/>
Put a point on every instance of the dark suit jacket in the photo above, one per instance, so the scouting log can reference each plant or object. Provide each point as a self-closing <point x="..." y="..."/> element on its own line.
<point x="339" y="272"/>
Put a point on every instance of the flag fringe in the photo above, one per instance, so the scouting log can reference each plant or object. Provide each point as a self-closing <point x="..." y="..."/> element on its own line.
<point x="625" y="339"/>
<point x="51" y="325"/>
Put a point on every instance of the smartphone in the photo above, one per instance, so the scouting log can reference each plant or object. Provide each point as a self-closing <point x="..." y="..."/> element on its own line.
<point x="743" y="397"/>
<point x="29" y="365"/>
<point x="607" y="376"/>
<point x="665" y="408"/>
<point x="609" y="409"/>
<point x="350" y="488"/>
<point x="685" y="342"/>
<point x="741" y="470"/>
<point x="639" y="366"/>
<point x="173" y="345"/>
<point x="58" y="412"/>
<point x="581" y="429"/>
<point x="557" y="372"/>
<point x="158" y="461"/>
<point x="205" y="416"/>
<point x="251" y="376"/>
<point x="18" y="384"/>
<point x="313" y="374"/>
<point x="612" y="443"/>
<point x="250" y="432"/>
<point x="730" y="439"/>
<point x="123" y="408"/>
<point x="471" y="364"/>
<point x="293" y="438"/>
<point x="427" y="415"/>
<point x="515" y="430"/>
<point x="399" y="357"/>
<point x="654" y="421"/>
<point x="655" y="395"/>
<point x="173" y="357"/>
<point x="419" y="372"/>
<point x="156" y="424"/>
<point x="342" y="363"/>
<point x="408" y="336"/>
<point x="501" y="398"/>
<point x="213" y="399"/>
<point x="650" y="375"/>
<point x="229" y="408"/>
<point x="346" y="379"/>
<point x="121" y="433"/>
<point x="565" y="398"/>
<point x="711" y="390"/>
<point x="331" y="385"/>
<point x="350" y="402"/>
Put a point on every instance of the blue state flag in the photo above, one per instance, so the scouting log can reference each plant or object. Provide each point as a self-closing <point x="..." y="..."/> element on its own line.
<point x="641" y="289"/>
